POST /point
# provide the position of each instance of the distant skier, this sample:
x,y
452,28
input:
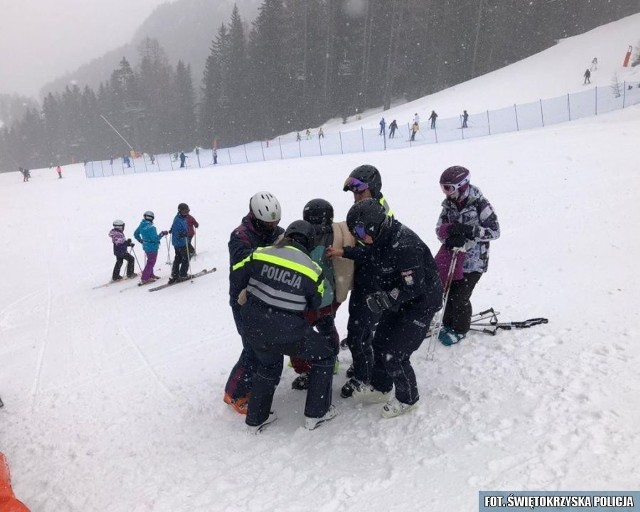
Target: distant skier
x,y
383,126
433,118
416,119
594,64
392,129
321,133
414,129
465,118
587,77
183,159
215,157
59,171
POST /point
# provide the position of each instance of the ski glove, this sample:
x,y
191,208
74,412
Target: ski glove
x,y
462,229
455,241
379,302
164,233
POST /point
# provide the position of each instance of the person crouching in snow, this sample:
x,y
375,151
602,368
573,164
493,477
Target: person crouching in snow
x,y
148,236
120,245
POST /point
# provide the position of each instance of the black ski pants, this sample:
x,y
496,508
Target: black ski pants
x,y
180,263
118,266
457,313
360,328
398,335
274,333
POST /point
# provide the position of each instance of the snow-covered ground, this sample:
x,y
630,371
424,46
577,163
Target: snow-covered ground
x,y
113,396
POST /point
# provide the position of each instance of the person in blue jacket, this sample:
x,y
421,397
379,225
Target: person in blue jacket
x,y
179,231
148,236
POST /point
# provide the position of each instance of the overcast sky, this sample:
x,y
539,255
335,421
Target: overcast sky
x,y
42,39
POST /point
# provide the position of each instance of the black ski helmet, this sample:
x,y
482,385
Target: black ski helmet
x,y
453,179
302,232
367,217
183,207
148,215
367,174
318,211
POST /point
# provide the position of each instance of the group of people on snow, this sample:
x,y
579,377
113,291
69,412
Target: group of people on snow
x,y
287,284
182,231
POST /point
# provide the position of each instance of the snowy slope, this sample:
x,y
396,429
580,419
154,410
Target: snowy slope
x,y
113,397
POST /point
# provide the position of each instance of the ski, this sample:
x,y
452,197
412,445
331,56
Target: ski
x,y
487,322
190,278
138,284
114,282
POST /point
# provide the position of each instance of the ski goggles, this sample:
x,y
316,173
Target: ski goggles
x,y
450,188
360,230
355,185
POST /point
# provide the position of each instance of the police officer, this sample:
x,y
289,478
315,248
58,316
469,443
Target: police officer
x,y
366,183
409,293
282,282
259,228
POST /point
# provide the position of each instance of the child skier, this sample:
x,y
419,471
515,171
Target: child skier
x,y
148,236
120,244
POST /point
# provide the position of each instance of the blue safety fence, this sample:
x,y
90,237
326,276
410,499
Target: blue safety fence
x,y
538,114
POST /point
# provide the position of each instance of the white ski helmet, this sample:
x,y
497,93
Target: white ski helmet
x,y
265,207
148,215
118,224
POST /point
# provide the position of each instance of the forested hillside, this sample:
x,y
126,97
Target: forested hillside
x,y
296,65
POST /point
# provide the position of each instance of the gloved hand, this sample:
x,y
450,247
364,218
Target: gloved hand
x,y
164,233
128,241
462,229
378,302
455,241
131,244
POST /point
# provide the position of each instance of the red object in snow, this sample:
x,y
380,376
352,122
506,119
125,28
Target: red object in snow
x,y
627,57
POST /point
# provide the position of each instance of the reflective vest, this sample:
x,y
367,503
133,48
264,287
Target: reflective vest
x,y
282,277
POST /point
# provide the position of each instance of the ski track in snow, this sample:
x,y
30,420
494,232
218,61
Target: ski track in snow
x,y
43,348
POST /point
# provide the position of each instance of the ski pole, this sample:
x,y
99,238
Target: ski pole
x,y
166,239
195,243
431,348
133,251
188,258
